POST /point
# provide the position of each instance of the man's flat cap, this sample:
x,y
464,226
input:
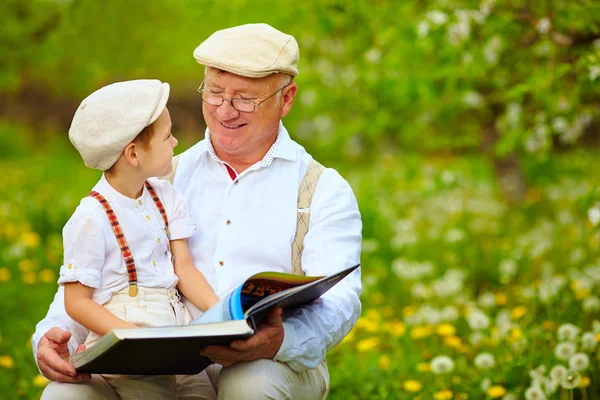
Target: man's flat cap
x,y
252,50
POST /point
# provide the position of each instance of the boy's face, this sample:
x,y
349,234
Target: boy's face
x,y
156,161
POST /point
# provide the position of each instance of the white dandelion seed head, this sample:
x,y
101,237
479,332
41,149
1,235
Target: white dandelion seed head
x,y
485,384
487,300
588,341
591,304
478,320
449,313
537,375
484,361
442,365
579,361
437,17
476,338
510,396
571,381
550,387
558,373
534,393
596,326
423,29
543,26
594,215
565,350
568,332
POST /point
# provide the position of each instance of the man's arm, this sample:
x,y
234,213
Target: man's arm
x,y
56,337
332,243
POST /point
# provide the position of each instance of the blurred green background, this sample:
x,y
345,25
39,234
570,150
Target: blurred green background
x,y
469,130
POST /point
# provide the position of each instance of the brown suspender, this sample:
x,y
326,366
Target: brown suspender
x,y
116,227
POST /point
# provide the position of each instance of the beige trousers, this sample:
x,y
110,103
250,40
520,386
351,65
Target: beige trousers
x,y
260,379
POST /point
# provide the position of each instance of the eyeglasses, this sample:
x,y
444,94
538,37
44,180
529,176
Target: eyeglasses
x,y
242,105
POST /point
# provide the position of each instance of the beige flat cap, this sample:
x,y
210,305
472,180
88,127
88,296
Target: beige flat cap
x,y
111,117
252,50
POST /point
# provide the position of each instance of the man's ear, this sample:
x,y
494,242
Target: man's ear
x,y
287,98
131,154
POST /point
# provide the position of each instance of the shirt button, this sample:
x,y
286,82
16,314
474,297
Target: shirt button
x,y
235,182
221,263
154,263
228,222
70,266
158,240
139,202
148,217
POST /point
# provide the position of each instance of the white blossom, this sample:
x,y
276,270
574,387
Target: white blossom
x,y
568,332
449,313
594,72
484,361
591,304
588,341
543,26
442,365
478,320
437,17
594,215
473,99
558,373
487,300
579,361
565,350
534,393
423,29
571,381
373,56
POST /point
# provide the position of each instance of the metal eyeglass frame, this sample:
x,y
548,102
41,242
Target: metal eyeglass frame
x,y
230,100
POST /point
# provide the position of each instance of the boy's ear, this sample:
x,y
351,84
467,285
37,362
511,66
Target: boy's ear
x,y
131,154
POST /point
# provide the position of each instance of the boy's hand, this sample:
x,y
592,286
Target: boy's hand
x,y
265,343
53,357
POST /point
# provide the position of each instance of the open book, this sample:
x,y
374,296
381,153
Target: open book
x,y
176,349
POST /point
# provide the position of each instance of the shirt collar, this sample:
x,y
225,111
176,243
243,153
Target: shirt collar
x,y
282,148
111,193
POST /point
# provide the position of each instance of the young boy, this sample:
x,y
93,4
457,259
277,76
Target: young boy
x,y
125,245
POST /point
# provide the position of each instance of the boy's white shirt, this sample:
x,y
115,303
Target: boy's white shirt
x,y
261,211
92,254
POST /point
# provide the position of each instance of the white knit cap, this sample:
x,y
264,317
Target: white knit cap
x,y
111,117
252,50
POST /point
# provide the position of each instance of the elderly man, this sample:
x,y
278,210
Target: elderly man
x,y
243,183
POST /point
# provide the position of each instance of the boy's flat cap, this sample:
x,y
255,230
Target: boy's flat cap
x,y
111,117
252,50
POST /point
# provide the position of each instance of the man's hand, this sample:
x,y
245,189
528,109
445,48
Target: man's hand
x,y
264,344
53,357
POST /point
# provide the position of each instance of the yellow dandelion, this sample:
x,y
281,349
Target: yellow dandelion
x,y
443,395
10,230
367,344
384,362
30,239
349,337
423,367
501,299
29,278
412,386
515,334
40,381
6,362
496,391
582,294
47,276
584,381
453,341
367,324
518,312
421,331
397,328
373,315
445,330
409,311
4,274
27,265
388,311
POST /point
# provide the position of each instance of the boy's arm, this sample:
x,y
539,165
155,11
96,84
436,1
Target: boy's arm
x,y
81,307
192,283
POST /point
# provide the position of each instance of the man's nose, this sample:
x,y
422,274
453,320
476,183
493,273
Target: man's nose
x,y
226,110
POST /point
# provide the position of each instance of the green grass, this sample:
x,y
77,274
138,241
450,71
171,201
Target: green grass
x,y
438,215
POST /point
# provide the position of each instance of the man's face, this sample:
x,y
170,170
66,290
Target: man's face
x,y
241,136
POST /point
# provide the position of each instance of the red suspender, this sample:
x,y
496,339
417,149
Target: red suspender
x,y
116,227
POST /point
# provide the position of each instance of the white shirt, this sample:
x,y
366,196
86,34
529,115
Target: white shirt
x,y
247,225
92,253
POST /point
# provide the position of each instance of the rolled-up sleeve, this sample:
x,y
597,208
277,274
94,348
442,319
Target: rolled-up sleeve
x,y
332,243
84,247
